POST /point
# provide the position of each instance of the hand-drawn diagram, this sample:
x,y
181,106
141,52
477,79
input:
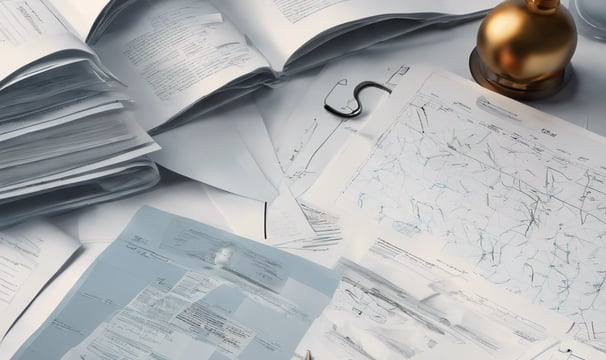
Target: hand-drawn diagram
x,y
530,216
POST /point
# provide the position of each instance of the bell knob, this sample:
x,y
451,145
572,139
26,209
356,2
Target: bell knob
x,y
524,48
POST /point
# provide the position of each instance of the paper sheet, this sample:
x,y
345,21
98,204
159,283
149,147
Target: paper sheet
x,y
31,32
246,217
290,225
49,298
308,139
403,300
81,16
30,255
228,149
170,287
183,197
513,191
300,229
277,102
174,54
567,349
283,29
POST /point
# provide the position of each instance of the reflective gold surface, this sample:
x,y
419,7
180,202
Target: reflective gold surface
x,y
525,45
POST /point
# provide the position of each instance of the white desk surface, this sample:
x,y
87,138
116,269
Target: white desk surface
x,y
582,102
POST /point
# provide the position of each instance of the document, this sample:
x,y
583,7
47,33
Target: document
x,y
172,54
568,349
182,58
228,149
29,31
404,300
65,134
90,19
288,224
285,31
296,227
513,191
30,255
49,298
172,288
81,15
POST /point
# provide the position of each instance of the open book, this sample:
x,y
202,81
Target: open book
x,y
181,58
66,139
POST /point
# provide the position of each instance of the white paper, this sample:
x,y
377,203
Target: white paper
x,y
48,299
92,169
566,349
290,225
216,151
308,139
280,28
172,54
512,190
254,134
45,120
81,15
187,198
169,283
403,300
30,255
276,102
30,31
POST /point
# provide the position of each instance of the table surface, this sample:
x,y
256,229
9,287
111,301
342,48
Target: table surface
x,y
581,102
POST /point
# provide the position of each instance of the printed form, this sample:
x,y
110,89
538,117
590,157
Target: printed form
x,y
517,193
172,288
30,255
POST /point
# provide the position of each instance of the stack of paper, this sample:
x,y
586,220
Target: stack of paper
x,y
65,136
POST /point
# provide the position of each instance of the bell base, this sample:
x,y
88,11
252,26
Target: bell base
x,y
533,91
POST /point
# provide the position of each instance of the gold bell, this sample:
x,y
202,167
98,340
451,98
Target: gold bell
x,y
524,49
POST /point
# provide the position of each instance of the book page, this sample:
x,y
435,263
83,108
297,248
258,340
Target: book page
x,y
516,192
171,54
30,31
278,28
81,15
30,255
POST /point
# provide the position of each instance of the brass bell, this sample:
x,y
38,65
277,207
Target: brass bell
x,y
524,49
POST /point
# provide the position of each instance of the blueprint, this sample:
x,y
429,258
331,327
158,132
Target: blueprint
x,y
517,193
173,288
399,302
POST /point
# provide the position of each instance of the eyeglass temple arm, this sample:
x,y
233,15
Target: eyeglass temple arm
x,y
356,93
